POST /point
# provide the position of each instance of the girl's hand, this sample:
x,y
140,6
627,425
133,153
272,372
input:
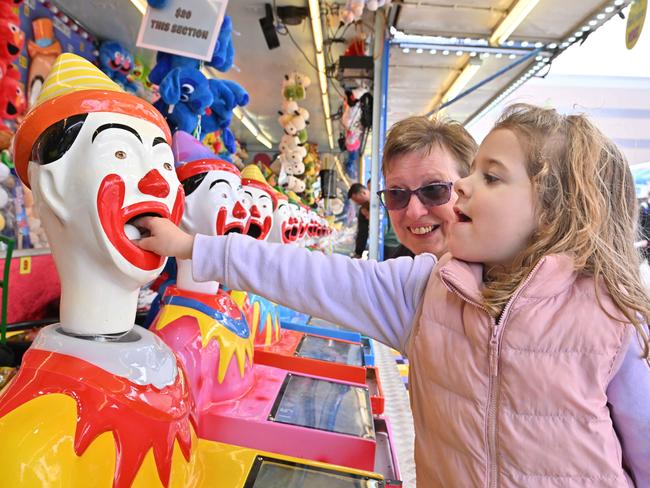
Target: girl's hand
x,y
164,238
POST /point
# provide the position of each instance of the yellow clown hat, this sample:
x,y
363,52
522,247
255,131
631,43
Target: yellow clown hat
x,y
75,86
252,176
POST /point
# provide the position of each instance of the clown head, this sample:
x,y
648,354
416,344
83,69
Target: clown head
x,y
96,159
282,227
295,220
257,194
214,194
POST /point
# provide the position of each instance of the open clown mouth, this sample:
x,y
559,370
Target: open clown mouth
x,y
116,220
259,229
462,218
13,50
11,109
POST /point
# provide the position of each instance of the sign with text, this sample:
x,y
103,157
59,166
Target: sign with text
x,y
184,27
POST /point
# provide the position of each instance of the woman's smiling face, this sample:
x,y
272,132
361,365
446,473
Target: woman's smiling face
x,y
423,229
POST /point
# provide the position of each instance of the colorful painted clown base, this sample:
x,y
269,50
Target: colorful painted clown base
x,y
261,315
75,405
211,337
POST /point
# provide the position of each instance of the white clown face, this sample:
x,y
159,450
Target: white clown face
x,y
216,206
295,221
281,229
260,205
119,168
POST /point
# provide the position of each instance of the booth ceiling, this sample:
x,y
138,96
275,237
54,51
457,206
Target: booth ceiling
x,y
433,44
444,38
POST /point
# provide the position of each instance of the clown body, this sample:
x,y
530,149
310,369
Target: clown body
x,y
97,398
200,322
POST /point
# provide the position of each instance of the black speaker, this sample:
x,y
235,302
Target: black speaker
x,y
328,183
268,28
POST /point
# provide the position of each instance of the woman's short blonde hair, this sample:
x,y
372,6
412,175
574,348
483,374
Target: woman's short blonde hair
x,y
421,134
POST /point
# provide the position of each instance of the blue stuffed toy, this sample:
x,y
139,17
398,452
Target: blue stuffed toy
x,y
224,51
226,96
117,62
184,96
158,3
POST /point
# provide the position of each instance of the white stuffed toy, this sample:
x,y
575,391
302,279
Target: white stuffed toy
x,y
353,9
289,107
295,184
288,142
292,124
294,86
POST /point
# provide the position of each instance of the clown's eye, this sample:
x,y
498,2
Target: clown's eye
x,y
120,154
167,166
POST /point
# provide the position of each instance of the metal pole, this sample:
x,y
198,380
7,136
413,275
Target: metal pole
x,y
383,216
486,80
373,235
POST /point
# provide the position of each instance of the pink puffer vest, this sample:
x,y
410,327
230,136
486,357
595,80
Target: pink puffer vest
x,y
521,402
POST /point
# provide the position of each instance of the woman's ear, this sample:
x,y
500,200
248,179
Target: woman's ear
x,y
48,183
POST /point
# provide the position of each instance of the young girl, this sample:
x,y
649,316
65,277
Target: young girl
x,y
525,366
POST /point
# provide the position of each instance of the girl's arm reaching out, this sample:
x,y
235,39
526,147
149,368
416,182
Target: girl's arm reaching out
x,y
377,299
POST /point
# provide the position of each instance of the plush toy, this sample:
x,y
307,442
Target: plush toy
x,y
294,184
294,86
289,107
292,123
116,61
291,166
12,95
43,51
139,76
12,38
224,52
184,96
226,96
288,142
353,9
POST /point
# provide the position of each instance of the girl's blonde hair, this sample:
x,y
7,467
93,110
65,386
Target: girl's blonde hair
x,y
586,206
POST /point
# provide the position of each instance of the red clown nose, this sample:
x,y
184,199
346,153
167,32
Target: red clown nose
x,y
154,184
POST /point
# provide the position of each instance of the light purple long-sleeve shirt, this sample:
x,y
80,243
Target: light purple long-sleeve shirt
x,y
380,300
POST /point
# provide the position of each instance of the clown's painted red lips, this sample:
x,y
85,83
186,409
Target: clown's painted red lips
x,y
234,227
113,217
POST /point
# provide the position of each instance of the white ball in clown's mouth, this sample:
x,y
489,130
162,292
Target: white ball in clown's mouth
x,y
132,232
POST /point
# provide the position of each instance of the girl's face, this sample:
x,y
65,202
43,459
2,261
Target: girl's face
x,y
495,206
419,228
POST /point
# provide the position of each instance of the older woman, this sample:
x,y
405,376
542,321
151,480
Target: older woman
x,y
422,157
